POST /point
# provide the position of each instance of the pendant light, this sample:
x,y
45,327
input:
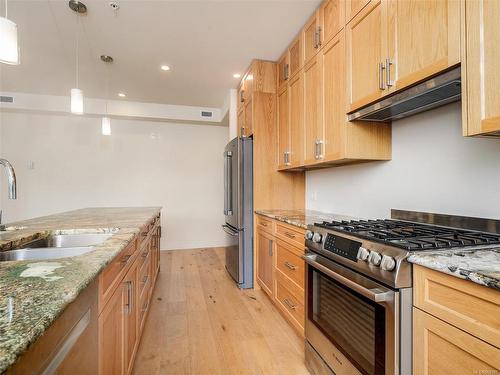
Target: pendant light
x,y
9,48
77,94
106,121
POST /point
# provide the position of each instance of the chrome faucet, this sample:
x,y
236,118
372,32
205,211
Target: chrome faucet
x,y
11,178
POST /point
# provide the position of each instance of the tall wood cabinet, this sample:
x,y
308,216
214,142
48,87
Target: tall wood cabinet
x,y
481,114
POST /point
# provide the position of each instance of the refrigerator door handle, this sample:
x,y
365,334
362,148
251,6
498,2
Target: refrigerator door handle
x,y
228,208
229,231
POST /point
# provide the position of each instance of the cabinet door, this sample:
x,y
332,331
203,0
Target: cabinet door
x,y
296,56
265,255
112,334
366,52
248,118
482,67
353,7
311,36
313,125
283,128
334,97
332,19
241,95
283,70
423,39
440,348
130,316
296,118
241,121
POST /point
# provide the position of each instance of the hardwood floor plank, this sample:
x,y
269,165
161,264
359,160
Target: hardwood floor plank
x,y
201,323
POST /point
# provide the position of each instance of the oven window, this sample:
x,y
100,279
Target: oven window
x,y
354,324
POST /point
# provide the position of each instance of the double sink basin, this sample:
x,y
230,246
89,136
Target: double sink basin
x,y
56,246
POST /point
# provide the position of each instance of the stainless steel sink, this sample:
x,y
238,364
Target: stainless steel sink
x,y
69,240
44,253
56,246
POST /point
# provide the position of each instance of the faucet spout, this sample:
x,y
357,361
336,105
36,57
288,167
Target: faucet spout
x,y
11,178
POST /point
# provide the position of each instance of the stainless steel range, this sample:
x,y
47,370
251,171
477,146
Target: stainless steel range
x,y
359,291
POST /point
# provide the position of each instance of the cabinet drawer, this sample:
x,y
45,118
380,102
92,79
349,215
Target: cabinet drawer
x,y
290,234
113,273
290,300
468,306
289,263
265,224
143,254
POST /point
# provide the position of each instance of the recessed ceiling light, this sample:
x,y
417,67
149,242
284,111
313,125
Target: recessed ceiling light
x,y
121,95
165,67
237,75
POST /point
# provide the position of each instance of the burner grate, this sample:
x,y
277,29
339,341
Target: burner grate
x,y
412,236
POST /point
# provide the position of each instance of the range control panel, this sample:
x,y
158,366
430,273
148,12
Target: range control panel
x,y
342,246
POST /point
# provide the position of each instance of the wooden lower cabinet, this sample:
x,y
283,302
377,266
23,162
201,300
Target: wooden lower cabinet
x,y
456,325
265,264
280,268
122,316
440,348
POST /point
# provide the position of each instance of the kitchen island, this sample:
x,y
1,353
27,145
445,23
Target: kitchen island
x,y
33,294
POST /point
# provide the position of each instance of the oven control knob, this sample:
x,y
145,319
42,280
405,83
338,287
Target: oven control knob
x,y
388,263
363,253
317,237
374,258
309,235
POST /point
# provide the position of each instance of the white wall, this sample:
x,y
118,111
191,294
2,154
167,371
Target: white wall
x,y
433,169
177,166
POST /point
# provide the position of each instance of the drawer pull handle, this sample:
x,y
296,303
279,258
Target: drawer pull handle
x,y
145,306
125,259
263,224
145,279
291,266
290,305
145,254
290,235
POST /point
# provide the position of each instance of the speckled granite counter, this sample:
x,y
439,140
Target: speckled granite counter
x,y
301,218
480,265
34,293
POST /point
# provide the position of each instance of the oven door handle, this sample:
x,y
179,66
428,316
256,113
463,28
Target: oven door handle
x,y
378,295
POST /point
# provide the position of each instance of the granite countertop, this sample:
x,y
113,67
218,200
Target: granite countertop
x,y
301,218
479,265
34,293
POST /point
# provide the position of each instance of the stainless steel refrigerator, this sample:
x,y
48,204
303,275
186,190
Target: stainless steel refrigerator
x,y
238,209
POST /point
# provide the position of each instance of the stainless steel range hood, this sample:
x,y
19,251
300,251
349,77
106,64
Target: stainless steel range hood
x,y
434,92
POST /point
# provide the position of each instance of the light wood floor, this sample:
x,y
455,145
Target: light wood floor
x,y
201,323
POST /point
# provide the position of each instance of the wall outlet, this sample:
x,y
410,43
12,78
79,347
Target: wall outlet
x,y
30,164
314,196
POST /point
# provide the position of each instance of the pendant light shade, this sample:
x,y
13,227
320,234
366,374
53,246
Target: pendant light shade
x,y
77,101
106,126
9,49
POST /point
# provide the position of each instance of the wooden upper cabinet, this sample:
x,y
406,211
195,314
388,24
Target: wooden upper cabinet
x,y
353,7
283,128
366,52
423,39
482,67
248,118
283,67
241,121
296,56
314,137
332,13
334,97
296,119
241,95
311,37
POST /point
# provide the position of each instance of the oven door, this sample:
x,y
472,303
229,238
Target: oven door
x,y
352,321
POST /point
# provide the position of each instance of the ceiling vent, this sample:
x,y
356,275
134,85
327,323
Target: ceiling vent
x,y
6,99
206,114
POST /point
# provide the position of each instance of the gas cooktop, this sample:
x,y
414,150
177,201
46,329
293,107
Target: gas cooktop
x,y
411,236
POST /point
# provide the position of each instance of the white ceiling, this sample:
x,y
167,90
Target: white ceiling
x,y
204,42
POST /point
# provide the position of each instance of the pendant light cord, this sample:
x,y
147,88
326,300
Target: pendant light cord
x,y
6,13
107,86
76,52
